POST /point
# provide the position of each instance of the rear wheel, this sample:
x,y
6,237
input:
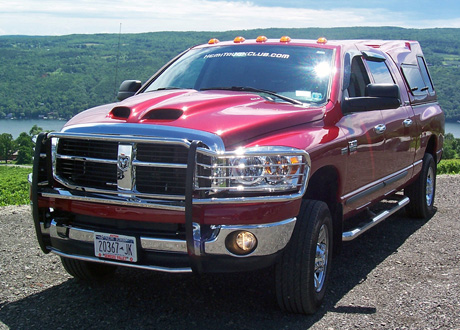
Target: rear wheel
x,y
303,271
87,271
422,191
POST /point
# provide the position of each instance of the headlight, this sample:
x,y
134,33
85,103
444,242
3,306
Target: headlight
x,y
247,171
280,168
265,169
256,170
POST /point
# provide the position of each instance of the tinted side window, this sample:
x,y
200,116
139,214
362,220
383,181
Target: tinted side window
x,y
414,79
358,78
380,72
425,74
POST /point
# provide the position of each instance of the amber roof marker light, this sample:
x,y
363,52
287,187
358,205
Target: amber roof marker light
x,y
322,41
285,39
213,41
261,39
239,40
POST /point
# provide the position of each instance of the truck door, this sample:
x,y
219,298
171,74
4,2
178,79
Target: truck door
x,y
366,141
400,125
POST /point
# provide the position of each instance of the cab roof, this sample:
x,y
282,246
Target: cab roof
x,y
399,50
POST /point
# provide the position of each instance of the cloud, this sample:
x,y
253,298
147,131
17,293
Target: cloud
x,y
53,17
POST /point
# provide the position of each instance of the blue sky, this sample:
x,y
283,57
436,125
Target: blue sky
x,y
61,17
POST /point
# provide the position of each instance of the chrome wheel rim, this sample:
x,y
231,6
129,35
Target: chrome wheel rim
x,y
322,253
429,193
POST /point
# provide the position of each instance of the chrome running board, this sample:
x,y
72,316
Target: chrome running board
x,y
352,234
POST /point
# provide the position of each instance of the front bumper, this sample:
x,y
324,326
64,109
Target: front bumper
x,y
171,255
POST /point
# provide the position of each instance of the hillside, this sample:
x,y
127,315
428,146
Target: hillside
x,y
61,76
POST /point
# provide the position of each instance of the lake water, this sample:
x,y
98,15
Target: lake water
x,y
453,128
16,127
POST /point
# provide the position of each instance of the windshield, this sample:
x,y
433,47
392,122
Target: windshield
x,y
300,73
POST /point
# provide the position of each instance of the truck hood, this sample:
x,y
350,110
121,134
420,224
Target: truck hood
x,y
237,117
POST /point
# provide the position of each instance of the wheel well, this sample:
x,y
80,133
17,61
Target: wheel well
x,y
323,186
431,148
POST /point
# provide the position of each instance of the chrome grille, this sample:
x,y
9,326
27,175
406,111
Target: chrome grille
x,y
155,169
87,174
170,181
88,149
155,153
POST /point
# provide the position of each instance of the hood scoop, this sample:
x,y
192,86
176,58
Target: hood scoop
x,y
120,113
163,114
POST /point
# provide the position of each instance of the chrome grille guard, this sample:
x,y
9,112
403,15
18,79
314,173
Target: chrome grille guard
x,y
211,175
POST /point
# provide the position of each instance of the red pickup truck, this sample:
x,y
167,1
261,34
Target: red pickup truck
x,y
240,155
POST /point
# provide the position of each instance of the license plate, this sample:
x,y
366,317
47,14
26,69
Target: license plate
x,y
116,247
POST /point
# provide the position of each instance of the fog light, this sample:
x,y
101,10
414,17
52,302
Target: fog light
x,y
246,241
241,242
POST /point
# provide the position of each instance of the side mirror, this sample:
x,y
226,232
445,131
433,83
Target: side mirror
x,y
378,97
128,88
383,90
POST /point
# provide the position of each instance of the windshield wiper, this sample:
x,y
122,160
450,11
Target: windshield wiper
x,y
168,88
256,90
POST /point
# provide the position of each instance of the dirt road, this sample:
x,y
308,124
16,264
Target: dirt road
x,y
403,274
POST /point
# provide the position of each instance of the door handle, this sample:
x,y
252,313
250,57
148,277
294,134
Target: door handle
x,y
407,122
380,129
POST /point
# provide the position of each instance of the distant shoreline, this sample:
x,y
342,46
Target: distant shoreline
x,y
16,126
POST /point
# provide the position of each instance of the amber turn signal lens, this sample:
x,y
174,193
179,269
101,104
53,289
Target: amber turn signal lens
x,y
238,40
321,40
294,169
285,39
261,39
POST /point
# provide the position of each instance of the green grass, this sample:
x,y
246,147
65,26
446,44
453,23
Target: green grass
x,y
14,188
449,166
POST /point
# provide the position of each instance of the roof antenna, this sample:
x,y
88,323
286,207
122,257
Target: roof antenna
x,y
116,68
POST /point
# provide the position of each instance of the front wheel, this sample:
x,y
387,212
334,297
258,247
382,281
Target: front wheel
x,y
421,192
304,267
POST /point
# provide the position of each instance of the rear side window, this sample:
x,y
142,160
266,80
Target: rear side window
x,y
417,77
425,75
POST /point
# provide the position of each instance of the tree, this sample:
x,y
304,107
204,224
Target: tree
x,y
26,146
7,146
25,140
24,155
451,147
35,130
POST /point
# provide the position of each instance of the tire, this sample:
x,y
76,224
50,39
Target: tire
x,y
422,191
87,271
301,276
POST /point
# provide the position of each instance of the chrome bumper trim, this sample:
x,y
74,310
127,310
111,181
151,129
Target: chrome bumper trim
x,y
109,262
116,200
271,238
87,236
246,200
171,205
139,202
163,244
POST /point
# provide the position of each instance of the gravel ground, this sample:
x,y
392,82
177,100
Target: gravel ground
x,y
403,274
